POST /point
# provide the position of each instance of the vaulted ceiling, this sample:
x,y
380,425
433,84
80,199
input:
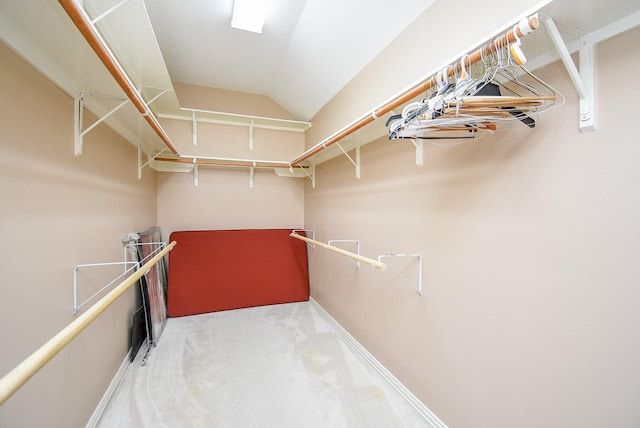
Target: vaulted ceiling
x,y
308,50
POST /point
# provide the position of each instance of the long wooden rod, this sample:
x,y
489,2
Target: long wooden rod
x,y
417,90
82,22
17,377
372,262
229,162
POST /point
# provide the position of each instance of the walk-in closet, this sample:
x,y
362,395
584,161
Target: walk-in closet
x,y
348,214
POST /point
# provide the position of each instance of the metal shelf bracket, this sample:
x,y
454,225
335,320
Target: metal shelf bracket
x,y
79,119
418,144
584,78
357,242
194,124
306,231
417,286
251,134
149,159
195,173
104,14
355,163
127,269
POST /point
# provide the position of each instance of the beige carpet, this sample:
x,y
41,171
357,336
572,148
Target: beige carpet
x,y
272,366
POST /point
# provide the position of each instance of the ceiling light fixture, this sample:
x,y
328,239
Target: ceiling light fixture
x,y
249,15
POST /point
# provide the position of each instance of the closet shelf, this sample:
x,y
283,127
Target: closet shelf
x,y
89,31
583,33
418,90
234,119
191,164
111,53
127,269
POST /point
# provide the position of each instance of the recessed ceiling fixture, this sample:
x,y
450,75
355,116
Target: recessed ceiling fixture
x,y
249,15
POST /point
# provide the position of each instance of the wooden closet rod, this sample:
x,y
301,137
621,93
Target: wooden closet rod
x,y
229,162
82,22
421,88
374,263
17,377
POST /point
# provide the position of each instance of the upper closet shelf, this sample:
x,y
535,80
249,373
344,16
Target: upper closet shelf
x,y
574,33
103,52
235,119
416,120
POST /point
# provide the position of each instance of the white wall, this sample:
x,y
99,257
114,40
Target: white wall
x,y
530,241
223,198
57,211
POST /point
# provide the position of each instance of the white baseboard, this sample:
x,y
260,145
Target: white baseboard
x,y
102,405
428,415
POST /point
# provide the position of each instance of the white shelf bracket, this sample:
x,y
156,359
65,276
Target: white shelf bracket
x,y
149,159
355,163
107,12
418,144
78,106
127,269
77,305
78,115
140,166
195,173
357,242
313,235
194,128
588,67
311,175
251,172
417,286
584,79
161,93
251,135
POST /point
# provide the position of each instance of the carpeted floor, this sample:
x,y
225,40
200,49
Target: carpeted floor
x,y
272,366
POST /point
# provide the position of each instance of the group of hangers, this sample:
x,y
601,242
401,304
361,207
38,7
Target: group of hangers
x,y
462,107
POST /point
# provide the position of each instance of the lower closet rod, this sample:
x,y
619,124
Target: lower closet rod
x,y
374,263
17,377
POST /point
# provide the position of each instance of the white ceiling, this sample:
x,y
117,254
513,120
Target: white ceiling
x,y
307,52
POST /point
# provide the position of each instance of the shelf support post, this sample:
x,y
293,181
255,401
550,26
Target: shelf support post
x,y
194,128
418,286
418,144
357,242
79,119
140,166
195,173
251,135
584,78
78,115
108,12
355,163
149,159
588,69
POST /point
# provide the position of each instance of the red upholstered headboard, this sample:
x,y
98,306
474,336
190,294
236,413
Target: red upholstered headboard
x,y
215,270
